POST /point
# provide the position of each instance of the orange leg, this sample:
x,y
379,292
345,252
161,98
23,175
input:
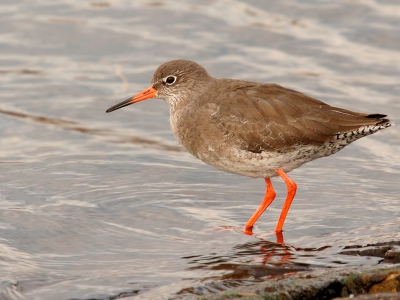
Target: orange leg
x,y
279,237
291,187
268,198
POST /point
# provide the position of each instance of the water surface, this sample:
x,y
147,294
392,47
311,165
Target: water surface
x,y
107,206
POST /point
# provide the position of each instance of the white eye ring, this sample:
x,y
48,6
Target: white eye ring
x,y
169,80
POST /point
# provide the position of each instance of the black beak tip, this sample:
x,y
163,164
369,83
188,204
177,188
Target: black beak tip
x,y
120,105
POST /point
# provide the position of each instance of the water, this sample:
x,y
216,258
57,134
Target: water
x,y
106,206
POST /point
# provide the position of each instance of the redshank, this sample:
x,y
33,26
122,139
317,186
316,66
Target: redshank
x,y
252,129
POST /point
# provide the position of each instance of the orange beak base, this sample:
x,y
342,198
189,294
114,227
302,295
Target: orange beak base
x,y
144,95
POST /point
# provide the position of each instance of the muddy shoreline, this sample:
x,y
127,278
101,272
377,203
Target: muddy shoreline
x,y
381,281
370,282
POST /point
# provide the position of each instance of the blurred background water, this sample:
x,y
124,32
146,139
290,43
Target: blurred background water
x,y
107,206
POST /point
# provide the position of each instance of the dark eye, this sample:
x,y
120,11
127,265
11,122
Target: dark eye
x,y
170,80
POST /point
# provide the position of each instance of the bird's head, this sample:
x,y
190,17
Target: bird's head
x,y
174,81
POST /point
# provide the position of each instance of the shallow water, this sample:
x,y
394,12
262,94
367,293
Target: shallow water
x,y
106,206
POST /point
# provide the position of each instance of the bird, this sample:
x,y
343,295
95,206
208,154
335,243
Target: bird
x,y
259,130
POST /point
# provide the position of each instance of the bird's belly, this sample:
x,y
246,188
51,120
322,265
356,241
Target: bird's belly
x,y
225,153
262,164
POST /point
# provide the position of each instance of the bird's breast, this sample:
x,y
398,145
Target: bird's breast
x,y
194,130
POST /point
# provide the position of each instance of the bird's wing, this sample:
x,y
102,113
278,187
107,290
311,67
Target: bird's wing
x,y
270,117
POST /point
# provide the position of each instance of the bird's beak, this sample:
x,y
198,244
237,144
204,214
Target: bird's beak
x,y
146,94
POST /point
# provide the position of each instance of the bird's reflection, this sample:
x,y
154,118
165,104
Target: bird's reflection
x,y
245,263
272,258
269,257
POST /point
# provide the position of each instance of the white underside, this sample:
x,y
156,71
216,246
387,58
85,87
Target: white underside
x,y
262,164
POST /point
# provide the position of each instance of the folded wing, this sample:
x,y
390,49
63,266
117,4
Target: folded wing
x,y
267,117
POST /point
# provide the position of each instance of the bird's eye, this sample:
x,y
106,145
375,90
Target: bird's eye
x,y
170,80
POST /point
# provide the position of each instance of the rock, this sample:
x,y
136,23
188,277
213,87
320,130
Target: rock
x,y
366,282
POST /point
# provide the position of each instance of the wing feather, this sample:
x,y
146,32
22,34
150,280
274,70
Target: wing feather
x,y
266,117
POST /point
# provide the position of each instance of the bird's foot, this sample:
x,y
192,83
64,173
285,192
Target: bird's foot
x,y
278,234
248,230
